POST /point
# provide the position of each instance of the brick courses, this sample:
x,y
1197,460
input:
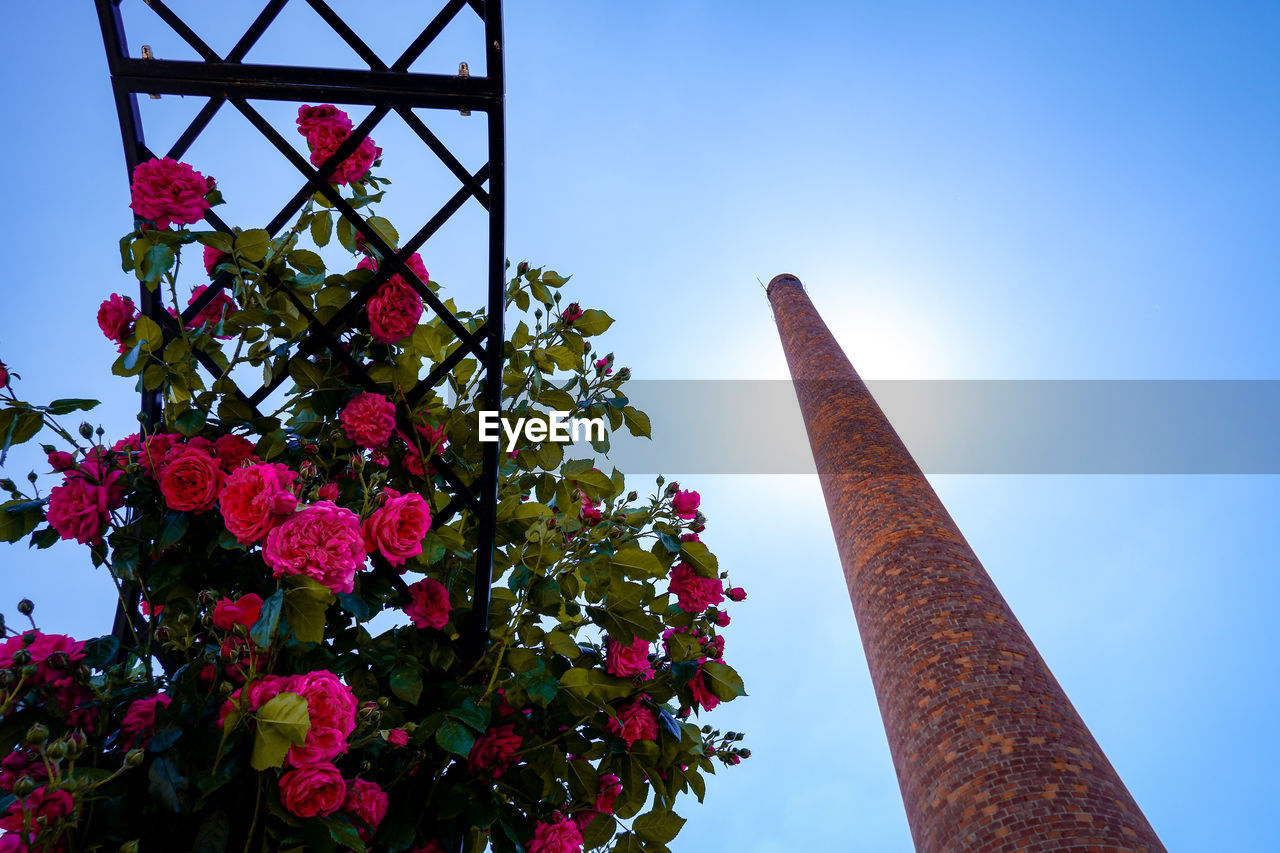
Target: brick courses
x,y
990,754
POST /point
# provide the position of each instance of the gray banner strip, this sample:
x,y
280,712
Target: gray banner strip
x,y
968,426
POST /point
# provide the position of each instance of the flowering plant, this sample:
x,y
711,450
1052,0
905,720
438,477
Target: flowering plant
x,y
296,677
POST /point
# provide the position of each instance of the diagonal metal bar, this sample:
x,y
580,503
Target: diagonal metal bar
x,y
428,35
256,29
348,35
184,32
438,148
197,126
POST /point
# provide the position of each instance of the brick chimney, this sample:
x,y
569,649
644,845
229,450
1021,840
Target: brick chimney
x,y
990,754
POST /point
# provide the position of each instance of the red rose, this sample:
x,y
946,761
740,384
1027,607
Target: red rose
x,y
257,499
573,312
218,309
233,450
80,509
394,311
243,611
398,737
51,808
396,529
313,791
635,722
610,788
493,751
140,721
428,605
117,318
351,169
213,257
367,801
702,695
685,504
325,116
4,375
168,192
322,542
629,660
369,419
559,837
693,592
190,481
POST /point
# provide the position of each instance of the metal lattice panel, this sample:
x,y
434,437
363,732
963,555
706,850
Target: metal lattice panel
x,y
227,81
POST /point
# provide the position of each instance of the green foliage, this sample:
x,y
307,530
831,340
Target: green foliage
x,y
279,724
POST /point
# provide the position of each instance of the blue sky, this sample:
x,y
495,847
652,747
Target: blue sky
x,y
969,191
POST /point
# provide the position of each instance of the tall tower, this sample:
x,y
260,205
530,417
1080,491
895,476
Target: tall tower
x,y
990,754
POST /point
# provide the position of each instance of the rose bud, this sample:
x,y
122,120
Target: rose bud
x,y
37,734
134,757
25,607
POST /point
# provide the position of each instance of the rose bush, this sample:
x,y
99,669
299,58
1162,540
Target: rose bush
x,y
297,676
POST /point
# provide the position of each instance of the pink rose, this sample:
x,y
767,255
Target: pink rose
x,y
4,375
190,481
367,801
62,461
695,593
213,257
156,449
395,309
369,419
398,737
352,169
219,308
559,837
628,661
722,619
322,542
610,788
702,695
168,192
311,119
493,751
243,611
313,791
328,492
396,529
635,722
571,313
80,508
690,537
603,364
685,504
139,721
737,593
117,317
41,647
428,605
329,702
322,745
233,451
52,808
257,499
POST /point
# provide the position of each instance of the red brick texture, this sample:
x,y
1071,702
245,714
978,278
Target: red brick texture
x,y
989,752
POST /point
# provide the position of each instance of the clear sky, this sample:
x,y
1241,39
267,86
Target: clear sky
x,y
969,190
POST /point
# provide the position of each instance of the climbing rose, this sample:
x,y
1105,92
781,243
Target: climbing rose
x,y
625,661
50,807
41,648
4,375
330,703
369,419
396,529
117,317
428,605
398,737
395,309
702,695
79,510
213,257
233,451
367,801
140,721
322,542
355,167
168,192
243,611
218,309
313,791
635,722
736,593
256,499
610,788
190,481
559,837
312,119
695,593
572,313
492,752
685,504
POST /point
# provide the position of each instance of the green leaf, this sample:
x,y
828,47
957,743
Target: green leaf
x,y
473,715
637,562
18,518
305,606
71,404
175,526
406,683
385,230
282,722
321,227
306,261
637,422
627,843
596,684
697,555
659,826
592,322
168,786
562,644
264,630
595,481
341,831
626,623
584,781
190,422
531,509
253,244
214,834
148,334
454,737
723,680
346,234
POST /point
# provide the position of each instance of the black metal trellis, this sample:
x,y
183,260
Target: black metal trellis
x,y
385,87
